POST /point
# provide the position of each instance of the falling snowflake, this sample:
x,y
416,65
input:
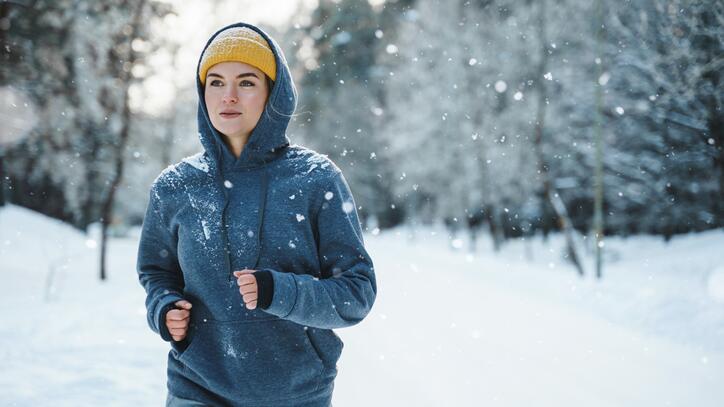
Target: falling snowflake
x,y
300,217
604,78
328,195
500,86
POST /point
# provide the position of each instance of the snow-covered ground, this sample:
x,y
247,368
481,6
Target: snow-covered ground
x,y
449,328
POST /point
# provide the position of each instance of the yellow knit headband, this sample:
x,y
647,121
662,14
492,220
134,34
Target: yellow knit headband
x,y
239,44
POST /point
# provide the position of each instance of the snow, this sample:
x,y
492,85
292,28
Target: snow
x,y
347,206
17,122
198,161
715,284
207,231
449,327
306,161
500,86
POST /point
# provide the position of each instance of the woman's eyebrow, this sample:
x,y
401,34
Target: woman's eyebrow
x,y
243,75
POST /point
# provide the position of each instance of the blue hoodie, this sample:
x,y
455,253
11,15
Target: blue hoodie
x,y
279,208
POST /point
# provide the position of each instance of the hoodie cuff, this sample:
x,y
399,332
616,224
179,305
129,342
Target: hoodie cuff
x,y
167,305
265,288
285,294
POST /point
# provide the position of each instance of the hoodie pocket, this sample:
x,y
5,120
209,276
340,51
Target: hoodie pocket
x,y
326,344
250,360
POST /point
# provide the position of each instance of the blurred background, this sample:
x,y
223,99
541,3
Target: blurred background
x,y
530,159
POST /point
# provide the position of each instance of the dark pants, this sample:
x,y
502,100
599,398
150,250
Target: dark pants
x,y
173,401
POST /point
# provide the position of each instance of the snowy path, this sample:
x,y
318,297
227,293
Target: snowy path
x,y
449,333
446,330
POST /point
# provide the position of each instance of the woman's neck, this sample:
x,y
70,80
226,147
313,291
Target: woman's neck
x,y
235,144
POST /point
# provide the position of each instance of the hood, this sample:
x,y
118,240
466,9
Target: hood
x,y
269,135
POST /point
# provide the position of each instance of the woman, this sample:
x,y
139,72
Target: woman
x,y
251,251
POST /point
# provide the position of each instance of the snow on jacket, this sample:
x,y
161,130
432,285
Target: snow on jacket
x,y
280,208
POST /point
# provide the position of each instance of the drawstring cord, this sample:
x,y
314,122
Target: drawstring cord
x,y
262,204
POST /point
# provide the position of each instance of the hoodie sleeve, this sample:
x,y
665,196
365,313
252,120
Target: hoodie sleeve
x,y
345,293
158,269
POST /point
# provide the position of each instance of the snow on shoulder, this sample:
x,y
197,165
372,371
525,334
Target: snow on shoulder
x,y
177,175
199,161
307,161
171,178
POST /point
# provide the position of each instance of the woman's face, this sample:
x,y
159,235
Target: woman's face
x,y
235,95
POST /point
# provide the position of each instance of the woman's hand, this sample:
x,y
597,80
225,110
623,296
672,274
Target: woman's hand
x,y
247,287
177,320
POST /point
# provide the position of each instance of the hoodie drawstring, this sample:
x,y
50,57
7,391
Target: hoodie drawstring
x,y
262,203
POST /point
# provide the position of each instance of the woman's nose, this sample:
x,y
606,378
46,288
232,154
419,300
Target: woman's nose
x,y
230,97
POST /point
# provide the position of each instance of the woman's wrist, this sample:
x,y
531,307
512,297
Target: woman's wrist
x,y
265,288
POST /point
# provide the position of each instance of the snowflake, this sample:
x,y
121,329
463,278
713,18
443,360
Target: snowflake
x,y
347,207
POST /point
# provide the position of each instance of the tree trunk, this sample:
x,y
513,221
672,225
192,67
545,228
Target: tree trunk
x,y
598,189
551,195
2,177
495,227
126,76
4,46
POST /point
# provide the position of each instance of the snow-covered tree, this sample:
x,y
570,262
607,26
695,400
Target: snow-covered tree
x,y
667,91
74,59
339,107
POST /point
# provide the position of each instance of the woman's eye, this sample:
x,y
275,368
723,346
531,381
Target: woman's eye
x,y
215,82
246,83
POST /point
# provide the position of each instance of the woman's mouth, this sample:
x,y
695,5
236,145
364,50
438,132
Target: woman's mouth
x,y
229,114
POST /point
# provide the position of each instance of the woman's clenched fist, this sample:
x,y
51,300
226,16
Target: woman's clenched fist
x,y
248,288
177,320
